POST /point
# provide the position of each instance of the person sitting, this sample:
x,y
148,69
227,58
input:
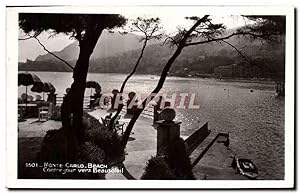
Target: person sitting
x,y
29,98
38,98
52,97
132,103
160,104
116,105
24,98
106,120
39,102
105,102
95,99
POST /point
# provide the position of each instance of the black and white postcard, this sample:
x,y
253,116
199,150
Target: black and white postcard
x,y
185,97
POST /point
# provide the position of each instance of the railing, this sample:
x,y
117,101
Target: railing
x,y
59,100
148,112
86,101
194,140
226,143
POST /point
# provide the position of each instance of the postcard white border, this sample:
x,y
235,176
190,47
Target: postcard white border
x,y
11,92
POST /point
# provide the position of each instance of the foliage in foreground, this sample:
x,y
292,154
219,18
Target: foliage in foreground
x,y
175,164
100,146
95,134
158,169
178,160
104,138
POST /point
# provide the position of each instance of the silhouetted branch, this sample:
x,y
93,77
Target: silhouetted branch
x,y
48,50
25,38
229,36
30,36
171,40
54,54
135,67
145,26
160,83
237,50
125,81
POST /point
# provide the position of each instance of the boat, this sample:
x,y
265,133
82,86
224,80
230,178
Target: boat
x,y
245,167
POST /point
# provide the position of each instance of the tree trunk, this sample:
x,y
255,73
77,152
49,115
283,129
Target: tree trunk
x,y
160,84
72,106
124,83
161,81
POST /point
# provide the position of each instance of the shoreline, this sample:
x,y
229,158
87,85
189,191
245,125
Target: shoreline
x,y
229,79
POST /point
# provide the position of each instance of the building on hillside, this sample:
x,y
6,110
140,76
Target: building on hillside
x,y
228,71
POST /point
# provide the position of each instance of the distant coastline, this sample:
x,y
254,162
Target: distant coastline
x,y
206,76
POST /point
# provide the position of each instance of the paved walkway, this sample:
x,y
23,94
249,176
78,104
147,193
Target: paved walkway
x,y
140,147
216,163
33,128
31,133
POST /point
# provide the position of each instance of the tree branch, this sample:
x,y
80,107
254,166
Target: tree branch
x,y
48,50
111,123
30,36
148,30
25,38
160,83
225,37
237,50
54,54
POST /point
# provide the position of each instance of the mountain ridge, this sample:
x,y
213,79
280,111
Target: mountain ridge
x,y
108,44
201,59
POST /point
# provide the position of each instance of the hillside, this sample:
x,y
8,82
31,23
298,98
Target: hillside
x,y
200,59
109,44
116,53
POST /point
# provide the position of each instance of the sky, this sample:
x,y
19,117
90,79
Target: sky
x,y
170,23
30,49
